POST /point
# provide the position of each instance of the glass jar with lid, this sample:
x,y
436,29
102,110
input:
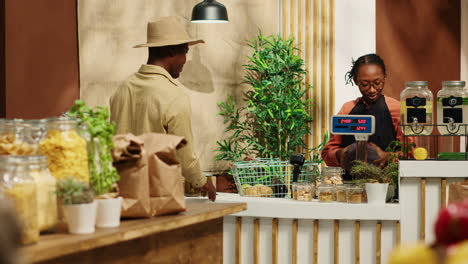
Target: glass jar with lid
x,y
341,192
416,102
65,149
46,197
13,139
332,175
355,194
303,191
19,187
326,193
35,130
451,111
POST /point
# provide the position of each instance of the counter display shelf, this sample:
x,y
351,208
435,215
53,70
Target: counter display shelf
x,y
194,236
287,231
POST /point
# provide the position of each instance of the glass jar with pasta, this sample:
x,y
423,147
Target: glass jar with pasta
x,y
46,197
65,149
20,189
13,139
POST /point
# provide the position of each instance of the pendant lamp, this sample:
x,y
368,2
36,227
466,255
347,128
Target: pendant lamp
x,y
209,11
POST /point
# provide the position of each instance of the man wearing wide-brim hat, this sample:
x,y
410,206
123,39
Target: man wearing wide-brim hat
x,y
152,101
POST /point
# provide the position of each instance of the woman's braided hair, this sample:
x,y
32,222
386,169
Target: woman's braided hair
x,y
365,59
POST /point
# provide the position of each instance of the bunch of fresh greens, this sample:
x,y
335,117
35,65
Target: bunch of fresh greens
x,y
362,171
72,191
275,120
398,150
365,172
103,176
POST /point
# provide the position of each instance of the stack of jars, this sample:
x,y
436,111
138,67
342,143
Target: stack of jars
x,y
417,108
28,180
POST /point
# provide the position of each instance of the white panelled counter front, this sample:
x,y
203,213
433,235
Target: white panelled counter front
x,y
287,231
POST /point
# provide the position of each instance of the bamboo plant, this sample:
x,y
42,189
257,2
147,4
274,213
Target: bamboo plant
x,y
275,119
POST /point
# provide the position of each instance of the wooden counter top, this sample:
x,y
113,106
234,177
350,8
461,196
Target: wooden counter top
x,y
61,244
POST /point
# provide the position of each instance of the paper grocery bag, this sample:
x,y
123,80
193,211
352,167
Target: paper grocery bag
x,y
130,160
165,173
151,176
458,191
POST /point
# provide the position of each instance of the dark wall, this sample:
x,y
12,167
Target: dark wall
x,y
41,58
419,40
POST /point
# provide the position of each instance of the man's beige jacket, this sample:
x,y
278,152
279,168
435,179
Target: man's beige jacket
x,y
152,101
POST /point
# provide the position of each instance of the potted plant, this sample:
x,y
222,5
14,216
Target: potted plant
x,y
103,176
276,118
79,207
375,179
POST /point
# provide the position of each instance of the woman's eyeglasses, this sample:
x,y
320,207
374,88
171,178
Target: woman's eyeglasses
x,y
366,85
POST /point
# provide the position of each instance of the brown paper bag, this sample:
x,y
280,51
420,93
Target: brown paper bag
x,y
151,177
458,191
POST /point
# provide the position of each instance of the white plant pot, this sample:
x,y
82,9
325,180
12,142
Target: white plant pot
x,y
81,218
108,212
376,193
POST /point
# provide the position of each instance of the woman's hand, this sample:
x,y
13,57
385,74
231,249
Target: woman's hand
x,y
341,156
383,156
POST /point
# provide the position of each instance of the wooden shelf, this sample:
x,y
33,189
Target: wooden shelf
x,y
61,244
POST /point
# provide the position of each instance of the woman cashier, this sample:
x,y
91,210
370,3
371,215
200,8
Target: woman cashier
x,y
369,73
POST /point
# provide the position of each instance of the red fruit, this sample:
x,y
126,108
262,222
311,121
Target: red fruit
x,y
452,224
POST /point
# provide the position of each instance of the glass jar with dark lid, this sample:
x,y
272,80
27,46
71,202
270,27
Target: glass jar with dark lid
x,y
451,110
416,107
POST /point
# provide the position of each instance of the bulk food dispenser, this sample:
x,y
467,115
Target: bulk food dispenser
x,y
452,110
416,109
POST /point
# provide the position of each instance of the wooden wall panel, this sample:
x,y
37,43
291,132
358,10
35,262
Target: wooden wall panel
x,y
41,64
419,40
2,60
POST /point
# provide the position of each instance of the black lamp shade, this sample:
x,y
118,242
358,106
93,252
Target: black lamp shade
x,y
209,11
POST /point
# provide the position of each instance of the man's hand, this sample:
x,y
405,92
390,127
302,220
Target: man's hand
x,y
210,189
383,156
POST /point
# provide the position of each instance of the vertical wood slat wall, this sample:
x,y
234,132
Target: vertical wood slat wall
x,y
293,254
311,22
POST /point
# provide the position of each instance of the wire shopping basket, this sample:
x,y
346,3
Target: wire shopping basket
x,y
270,177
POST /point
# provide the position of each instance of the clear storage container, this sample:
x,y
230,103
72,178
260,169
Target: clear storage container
x,y
416,109
65,149
14,140
19,187
326,193
355,194
451,110
46,197
332,175
303,191
341,192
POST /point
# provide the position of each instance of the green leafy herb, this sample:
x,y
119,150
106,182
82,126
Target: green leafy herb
x,y
362,171
103,176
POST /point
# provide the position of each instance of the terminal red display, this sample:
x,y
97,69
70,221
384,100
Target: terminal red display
x,y
349,121
358,128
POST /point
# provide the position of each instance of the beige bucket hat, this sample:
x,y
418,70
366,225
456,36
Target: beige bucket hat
x,y
167,31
